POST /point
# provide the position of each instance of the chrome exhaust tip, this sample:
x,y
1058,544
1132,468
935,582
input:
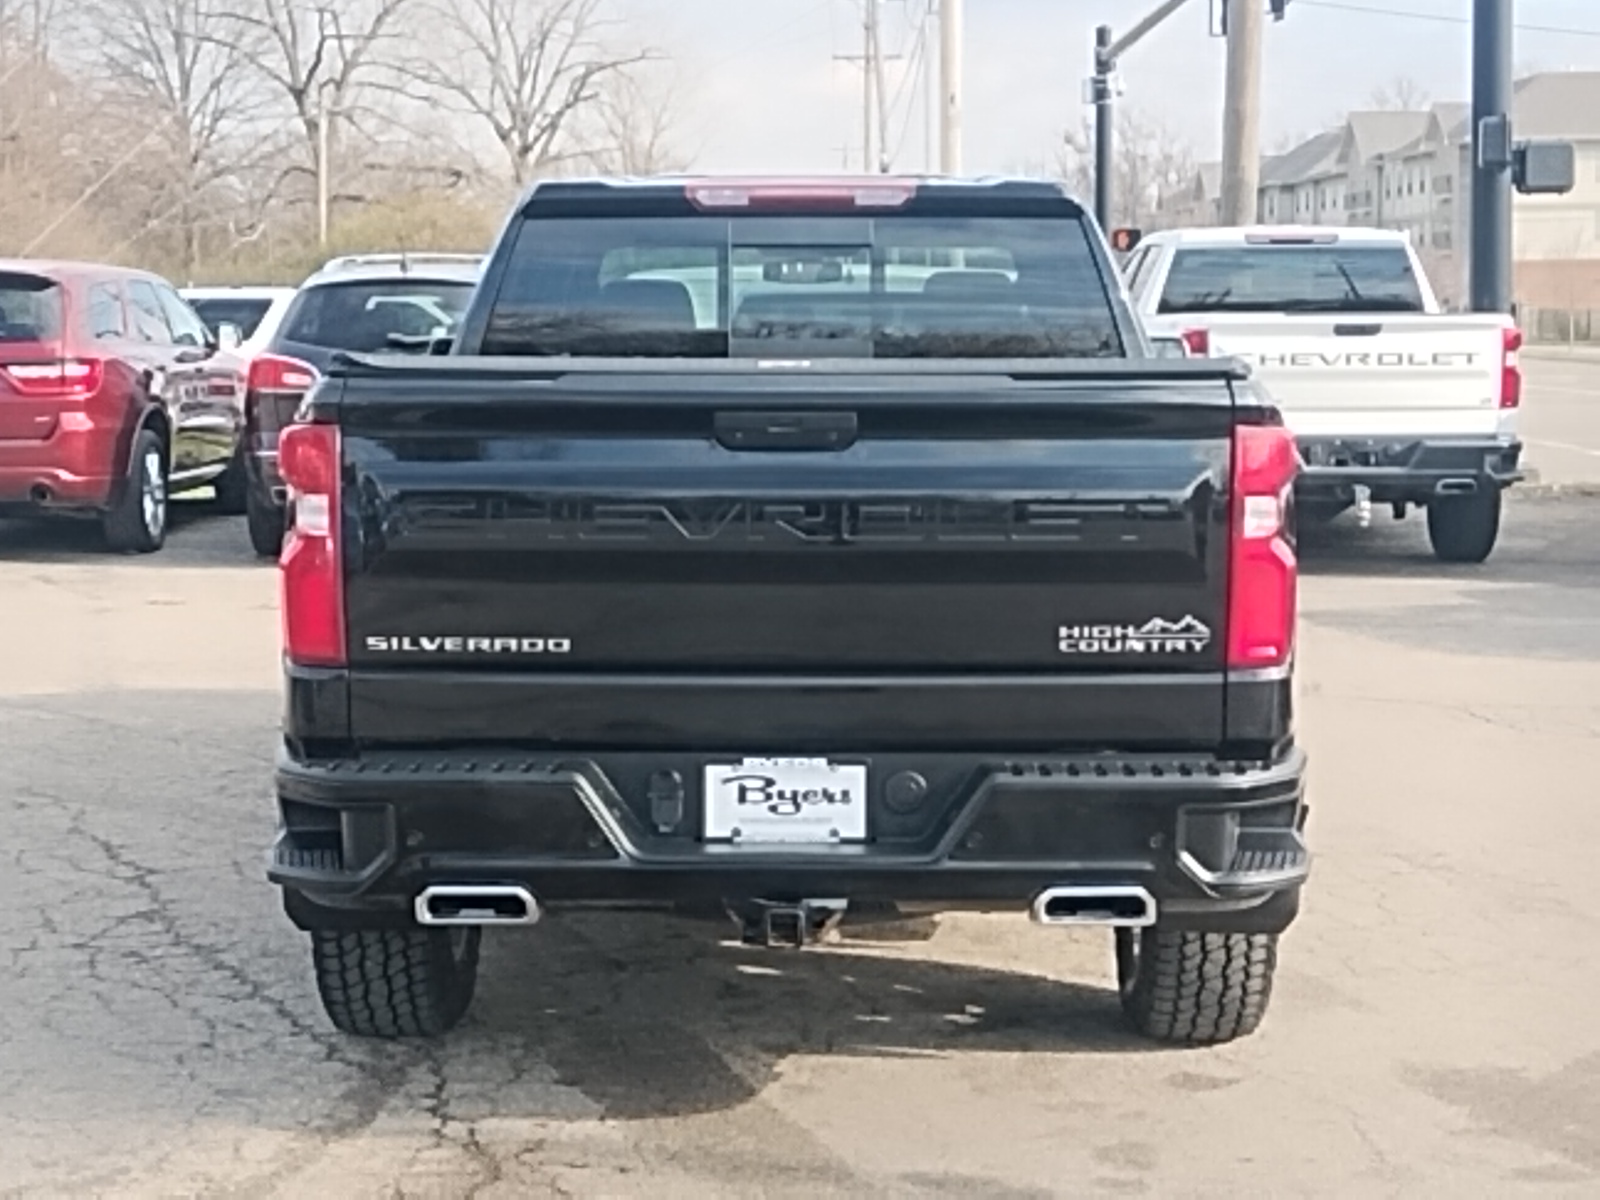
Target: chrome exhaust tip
x,y
476,904
1117,906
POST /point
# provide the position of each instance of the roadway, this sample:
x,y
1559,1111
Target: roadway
x,y
1432,1033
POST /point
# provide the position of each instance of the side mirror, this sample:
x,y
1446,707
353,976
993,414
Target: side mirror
x,y
229,337
1544,168
1126,241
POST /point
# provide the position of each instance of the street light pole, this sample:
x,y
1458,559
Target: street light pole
x,y
1104,125
1490,264
1102,90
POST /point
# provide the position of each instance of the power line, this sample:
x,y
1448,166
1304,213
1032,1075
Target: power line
x,y
915,63
1438,18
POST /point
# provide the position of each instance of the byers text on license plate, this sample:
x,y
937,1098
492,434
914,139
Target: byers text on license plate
x,y
792,800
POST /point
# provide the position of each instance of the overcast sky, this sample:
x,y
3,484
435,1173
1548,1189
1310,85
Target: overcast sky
x,y
760,89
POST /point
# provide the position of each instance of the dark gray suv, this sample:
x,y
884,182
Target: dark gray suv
x,y
365,304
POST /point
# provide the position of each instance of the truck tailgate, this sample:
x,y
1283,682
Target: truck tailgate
x,y
574,553
1374,375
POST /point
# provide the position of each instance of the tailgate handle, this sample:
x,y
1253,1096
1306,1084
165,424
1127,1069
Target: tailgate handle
x,y
1357,330
786,430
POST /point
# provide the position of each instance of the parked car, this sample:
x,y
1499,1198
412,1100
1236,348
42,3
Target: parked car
x,y
368,303
254,312
114,397
791,547
1392,400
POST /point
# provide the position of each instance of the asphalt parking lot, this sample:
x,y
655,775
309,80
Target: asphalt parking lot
x,y
1432,1032
1561,421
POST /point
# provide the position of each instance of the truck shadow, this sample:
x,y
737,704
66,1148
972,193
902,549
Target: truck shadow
x,y
649,1016
198,536
1539,538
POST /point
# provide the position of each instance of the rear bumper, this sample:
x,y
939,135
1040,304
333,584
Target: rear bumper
x,y
1410,469
78,466
1217,844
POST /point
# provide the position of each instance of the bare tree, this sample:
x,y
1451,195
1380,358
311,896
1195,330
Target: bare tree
x,y
1148,161
634,129
1400,94
181,134
178,66
318,54
528,69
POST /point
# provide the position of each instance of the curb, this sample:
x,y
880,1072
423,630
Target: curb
x,y
1533,489
1581,354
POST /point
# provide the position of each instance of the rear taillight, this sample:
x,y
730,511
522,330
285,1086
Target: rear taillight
x,y
311,569
1263,573
64,378
1510,368
275,373
1197,342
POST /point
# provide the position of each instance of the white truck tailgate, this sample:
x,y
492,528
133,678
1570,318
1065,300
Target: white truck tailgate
x,y
1374,375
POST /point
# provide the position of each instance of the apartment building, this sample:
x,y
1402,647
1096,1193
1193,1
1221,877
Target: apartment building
x,y
1411,171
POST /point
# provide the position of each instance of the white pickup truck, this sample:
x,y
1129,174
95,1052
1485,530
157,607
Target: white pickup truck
x,y
1391,400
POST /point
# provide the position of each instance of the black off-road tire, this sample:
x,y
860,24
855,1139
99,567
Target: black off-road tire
x,y
233,487
136,522
1464,529
396,983
265,521
1195,989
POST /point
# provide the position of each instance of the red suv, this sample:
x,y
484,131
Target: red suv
x,y
113,396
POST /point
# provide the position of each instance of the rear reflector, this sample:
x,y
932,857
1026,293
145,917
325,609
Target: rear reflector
x,y
65,377
1263,574
1510,368
311,569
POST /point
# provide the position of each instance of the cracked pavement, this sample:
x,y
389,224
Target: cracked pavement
x,y
1431,1032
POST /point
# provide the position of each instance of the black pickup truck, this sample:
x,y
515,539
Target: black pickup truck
x,y
791,550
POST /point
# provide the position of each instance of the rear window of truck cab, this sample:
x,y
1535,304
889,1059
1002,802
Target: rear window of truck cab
x,y
884,286
1291,278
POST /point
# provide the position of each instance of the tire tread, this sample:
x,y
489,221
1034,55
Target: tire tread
x,y
1195,988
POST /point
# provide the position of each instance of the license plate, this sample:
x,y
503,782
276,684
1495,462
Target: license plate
x,y
809,801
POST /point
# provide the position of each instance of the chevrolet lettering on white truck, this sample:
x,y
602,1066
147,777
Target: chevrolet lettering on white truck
x,y
1391,401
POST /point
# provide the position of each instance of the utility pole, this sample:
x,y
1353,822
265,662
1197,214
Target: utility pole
x,y
324,157
930,89
874,105
875,31
1241,114
869,59
1490,263
950,53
